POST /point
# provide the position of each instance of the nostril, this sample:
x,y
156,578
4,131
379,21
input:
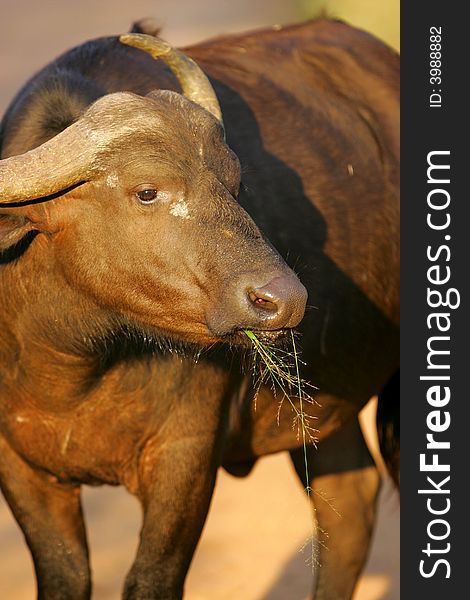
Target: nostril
x,y
251,304
262,301
280,303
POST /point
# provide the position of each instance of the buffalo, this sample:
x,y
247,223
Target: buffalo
x,y
152,212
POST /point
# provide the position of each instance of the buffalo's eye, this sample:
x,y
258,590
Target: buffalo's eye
x,y
147,196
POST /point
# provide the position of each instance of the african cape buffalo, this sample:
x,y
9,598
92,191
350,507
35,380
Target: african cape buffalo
x,y
135,251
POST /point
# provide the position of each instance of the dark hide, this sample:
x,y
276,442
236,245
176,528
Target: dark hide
x,y
99,386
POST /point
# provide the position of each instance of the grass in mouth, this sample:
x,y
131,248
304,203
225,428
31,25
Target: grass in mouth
x,y
280,370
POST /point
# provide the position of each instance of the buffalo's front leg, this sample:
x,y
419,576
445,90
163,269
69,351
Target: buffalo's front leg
x,y
177,472
345,485
50,515
175,507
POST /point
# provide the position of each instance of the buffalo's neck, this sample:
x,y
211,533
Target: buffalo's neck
x,y
45,325
57,372
60,350
45,375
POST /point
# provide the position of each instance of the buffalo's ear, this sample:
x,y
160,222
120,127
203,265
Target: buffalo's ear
x,y
13,229
146,25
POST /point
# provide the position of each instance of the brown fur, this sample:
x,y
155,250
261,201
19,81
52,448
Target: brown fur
x,y
107,303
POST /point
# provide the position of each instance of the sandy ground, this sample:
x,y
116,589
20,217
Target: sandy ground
x,y
250,548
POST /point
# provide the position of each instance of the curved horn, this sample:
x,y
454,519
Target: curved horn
x,y
193,81
58,164
73,155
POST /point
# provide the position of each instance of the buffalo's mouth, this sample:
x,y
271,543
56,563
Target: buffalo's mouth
x,y
275,337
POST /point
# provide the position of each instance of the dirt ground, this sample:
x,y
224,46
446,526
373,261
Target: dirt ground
x,y
250,548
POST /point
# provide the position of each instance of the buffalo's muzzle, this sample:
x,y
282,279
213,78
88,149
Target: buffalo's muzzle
x,y
280,303
277,304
